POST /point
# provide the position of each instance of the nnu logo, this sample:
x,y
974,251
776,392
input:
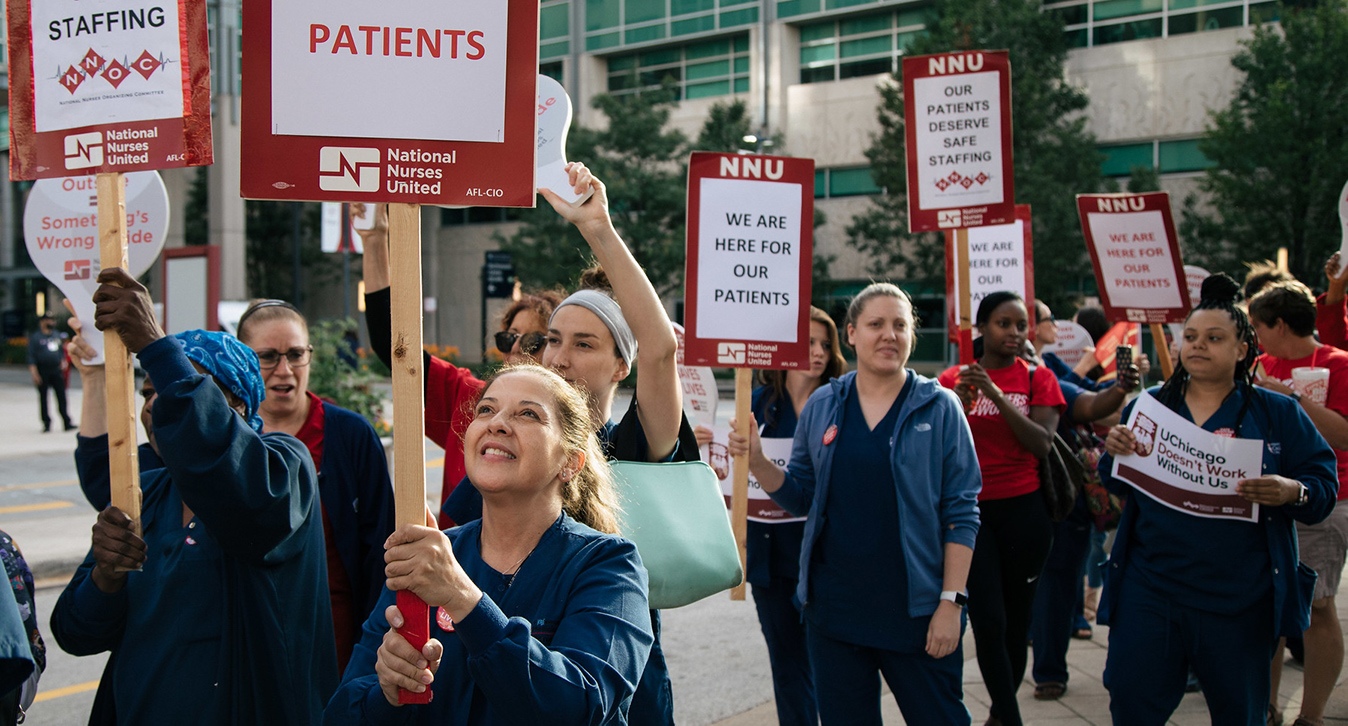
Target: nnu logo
x,y
348,169
949,218
78,269
732,353
84,151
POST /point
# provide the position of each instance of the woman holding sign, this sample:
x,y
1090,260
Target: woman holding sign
x,y
1183,590
1013,410
882,463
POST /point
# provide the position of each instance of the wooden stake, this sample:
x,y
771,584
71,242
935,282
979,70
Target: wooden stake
x,y
739,499
409,426
123,464
966,313
1162,350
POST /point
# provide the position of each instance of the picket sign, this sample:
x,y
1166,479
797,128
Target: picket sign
x,y
1343,224
1003,254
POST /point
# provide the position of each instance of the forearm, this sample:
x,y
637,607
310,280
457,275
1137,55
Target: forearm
x,y
633,291
374,263
1028,433
1331,424
1103,404
770,476
955,566
93,403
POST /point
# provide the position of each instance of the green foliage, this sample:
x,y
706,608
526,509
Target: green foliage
x,y
1055,155
1280,149
332,378
270,232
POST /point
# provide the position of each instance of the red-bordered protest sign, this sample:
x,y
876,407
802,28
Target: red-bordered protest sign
x,y
1001,257
425,103
957,114
107,87
1136,256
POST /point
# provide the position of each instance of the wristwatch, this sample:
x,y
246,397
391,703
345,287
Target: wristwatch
x,y
1295,396
959,598
1302,497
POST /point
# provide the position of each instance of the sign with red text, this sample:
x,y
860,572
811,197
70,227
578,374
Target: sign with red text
x,y
761,506
427,102
60,228
700,394
1001,257
106,86
1072,342
1187,468
750,253
1135,252
957,108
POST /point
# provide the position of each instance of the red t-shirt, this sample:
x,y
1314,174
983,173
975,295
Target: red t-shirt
x,y
450,392
345,624
1009,469
1337,397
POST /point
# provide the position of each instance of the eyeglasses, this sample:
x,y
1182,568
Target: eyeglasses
x,y
296,357
530,343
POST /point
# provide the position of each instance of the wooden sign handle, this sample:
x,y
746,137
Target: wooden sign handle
x,y
123,464
966,313
739,498
1162,350
409,426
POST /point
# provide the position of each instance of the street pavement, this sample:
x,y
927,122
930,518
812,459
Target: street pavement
x,y
716,653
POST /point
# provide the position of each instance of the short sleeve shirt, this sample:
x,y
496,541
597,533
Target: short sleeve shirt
x,y
1337,397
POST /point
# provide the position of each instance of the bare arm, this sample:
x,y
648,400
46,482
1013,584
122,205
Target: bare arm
x,y
1034,432
374,263
93,399
1330,423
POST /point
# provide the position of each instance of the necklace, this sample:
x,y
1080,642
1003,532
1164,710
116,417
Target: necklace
x,y
510,576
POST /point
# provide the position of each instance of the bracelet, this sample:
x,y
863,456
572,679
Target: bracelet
x,y
959,598
1296,397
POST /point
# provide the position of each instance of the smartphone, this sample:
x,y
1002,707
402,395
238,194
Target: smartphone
x,y
1123,357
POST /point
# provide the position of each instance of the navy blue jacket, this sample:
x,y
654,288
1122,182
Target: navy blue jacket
x,y
229,621
935,471
772,549
562,642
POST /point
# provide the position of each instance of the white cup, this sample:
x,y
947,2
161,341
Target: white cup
x,y
1311,382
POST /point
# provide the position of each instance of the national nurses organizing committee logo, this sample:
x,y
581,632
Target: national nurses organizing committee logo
x,y
84,151
732,353
348,169
93,66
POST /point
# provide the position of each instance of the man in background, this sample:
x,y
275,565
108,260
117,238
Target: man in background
x,y
46,363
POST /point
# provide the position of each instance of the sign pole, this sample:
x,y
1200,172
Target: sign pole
x,y
739,500
966,314
1162,350
409,428
123,465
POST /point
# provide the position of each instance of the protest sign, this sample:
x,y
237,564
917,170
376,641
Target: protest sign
x,y
60,228
957,108
1187,468
433,104
700,394
1135,253
761,507
1194,276
1129,334
1343,224
117,85
1001,257
337,236
554,122
1073,340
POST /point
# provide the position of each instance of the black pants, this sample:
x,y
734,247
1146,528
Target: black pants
x,y
1014,538
57,383
788,652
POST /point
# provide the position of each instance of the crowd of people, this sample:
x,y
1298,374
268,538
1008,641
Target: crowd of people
x,y
260,582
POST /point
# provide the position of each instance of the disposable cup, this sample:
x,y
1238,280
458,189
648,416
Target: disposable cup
x,y
1311,382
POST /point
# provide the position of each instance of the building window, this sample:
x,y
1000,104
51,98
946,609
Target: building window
x,y
859,46
1166,157
844,182
552,70
615,23
1101,22
554,29
696,70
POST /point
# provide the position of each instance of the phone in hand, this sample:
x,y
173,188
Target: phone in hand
x,y
1123,357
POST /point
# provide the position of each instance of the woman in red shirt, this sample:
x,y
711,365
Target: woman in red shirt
x,y
1012,418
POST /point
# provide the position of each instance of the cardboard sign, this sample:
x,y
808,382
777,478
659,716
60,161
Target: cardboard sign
x,y
750,253
761,506
1186,468
113,85
1136,256
958,132
1001,257
1073,340
428,103
700,394
60,228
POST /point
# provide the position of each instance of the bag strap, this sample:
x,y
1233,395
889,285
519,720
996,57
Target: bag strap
x,y
1029,401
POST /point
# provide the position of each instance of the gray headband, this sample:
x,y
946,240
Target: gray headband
x,y
610,314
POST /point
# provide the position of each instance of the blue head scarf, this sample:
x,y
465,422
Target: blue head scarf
x,y
233,364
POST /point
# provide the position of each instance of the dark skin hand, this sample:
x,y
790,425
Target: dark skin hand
x,y
116,548
123,306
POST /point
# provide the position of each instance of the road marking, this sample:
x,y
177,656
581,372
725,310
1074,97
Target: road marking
x,y
34,507
67,691
40,485
432,463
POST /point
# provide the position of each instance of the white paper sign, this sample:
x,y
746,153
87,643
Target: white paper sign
x,y
1186,468
1073,340
1343,223
959,119
996,262
754,261
106,61
700,394
554,122
341,68
761,506
1135,259
60,228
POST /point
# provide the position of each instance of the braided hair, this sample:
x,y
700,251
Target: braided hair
x,y
1219,292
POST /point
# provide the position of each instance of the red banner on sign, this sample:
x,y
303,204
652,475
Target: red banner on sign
x,y
1001,257
434,105
1136,256
957,114
750,253
83,102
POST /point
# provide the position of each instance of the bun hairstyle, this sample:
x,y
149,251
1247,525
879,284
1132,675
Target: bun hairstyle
x,y
1219,292
594,278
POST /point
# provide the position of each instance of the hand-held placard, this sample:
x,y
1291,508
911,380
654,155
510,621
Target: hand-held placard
x,y
554,122
1343,224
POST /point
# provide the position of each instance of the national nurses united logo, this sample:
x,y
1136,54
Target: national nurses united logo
x,y
1145,430
348,169
93,68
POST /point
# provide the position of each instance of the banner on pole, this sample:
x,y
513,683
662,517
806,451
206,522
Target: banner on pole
x,y
957,108
750,254
1001,257
1136,256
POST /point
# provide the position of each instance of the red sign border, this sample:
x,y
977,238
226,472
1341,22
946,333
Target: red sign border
x,y
272,163
702,351
34,155
920,220
1150,201
952,315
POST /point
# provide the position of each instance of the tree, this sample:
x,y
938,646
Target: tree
x,y
1279,150
270,231
1055,156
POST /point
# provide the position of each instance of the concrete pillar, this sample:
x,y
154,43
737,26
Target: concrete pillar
x,y
226,206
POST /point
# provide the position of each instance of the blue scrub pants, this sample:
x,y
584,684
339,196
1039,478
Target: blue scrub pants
x,y
1153,641
847,683
1057,600
792,677
653,701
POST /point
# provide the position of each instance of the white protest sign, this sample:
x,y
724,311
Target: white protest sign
x,y
335,56
700,394
1073,340
60,227
761,506
1194,276
331,228
1001,257
1343,224
1136,256
1186,468
554,122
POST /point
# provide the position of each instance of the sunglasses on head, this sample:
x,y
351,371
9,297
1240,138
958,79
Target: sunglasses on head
x,y
530,343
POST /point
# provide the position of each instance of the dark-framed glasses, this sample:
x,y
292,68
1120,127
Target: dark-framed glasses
x,y
530,343
296,357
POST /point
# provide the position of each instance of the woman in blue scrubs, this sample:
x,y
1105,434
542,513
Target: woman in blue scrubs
x,y
540,609
1183,591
